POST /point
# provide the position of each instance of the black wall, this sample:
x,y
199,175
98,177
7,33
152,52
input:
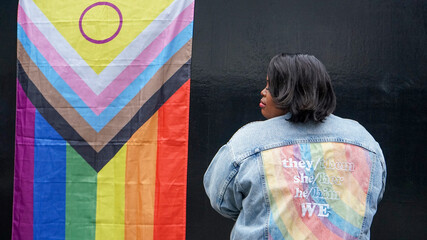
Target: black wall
x,y
376,54
7,112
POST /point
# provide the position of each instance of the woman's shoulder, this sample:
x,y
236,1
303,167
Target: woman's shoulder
x,y
258,128
347,125
255,136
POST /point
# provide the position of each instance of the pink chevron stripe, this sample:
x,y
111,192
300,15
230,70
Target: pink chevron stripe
x,y
99,102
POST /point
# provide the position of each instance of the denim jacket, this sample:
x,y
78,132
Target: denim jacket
x,y
284,180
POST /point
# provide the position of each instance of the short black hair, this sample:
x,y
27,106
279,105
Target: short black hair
x,y
300,84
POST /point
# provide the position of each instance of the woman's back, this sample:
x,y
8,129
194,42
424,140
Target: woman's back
x,y
283,180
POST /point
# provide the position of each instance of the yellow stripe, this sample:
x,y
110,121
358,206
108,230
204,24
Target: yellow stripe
x,y
349,189
279,189
111,198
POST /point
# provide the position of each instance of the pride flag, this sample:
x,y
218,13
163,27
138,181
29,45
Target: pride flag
x,y
102,119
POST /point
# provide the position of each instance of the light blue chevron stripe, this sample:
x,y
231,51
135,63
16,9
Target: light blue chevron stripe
x,y
99,121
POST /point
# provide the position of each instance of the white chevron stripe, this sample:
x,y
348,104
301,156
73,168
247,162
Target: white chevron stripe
x,y
99,82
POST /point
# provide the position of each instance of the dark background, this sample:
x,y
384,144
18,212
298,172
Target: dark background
x,y
375,52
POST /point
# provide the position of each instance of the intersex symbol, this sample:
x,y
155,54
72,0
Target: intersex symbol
x,y
102,40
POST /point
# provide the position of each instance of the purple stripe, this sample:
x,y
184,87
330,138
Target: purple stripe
x,y
22,223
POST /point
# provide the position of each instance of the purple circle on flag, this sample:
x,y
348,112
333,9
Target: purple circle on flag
x,y
103,40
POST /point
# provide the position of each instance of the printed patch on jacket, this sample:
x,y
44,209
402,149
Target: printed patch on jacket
x,y
317,190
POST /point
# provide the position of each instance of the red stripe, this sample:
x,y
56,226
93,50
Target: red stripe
x,y
171,176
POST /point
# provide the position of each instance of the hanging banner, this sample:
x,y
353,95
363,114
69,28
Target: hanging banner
x,y
102,119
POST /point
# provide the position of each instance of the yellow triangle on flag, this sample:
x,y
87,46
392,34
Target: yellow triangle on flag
x,y
100,22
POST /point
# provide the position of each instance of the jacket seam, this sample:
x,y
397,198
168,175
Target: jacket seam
x,y
266,197
224,188
233,156
368,197
243,156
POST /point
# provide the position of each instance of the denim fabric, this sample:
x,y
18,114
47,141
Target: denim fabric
x,y
267,178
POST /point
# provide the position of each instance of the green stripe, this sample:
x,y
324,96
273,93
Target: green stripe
x,y
81,184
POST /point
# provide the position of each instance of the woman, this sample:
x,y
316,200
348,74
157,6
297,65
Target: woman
x,y
303,173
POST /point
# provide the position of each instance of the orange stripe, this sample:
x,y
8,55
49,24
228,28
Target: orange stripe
x,y
140,181
171,180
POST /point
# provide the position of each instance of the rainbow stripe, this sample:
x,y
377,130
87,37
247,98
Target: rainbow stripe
x,y
58,195
317,190
102,126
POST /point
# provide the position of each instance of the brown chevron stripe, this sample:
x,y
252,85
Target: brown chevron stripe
x,y
98,140
97,160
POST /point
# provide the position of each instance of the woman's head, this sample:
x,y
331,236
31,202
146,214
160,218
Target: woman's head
x,y
299,84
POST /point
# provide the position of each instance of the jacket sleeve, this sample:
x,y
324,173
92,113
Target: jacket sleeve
x,y
221,186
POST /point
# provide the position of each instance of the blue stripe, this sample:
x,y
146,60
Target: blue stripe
x,y
333,217
98,122
49,181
